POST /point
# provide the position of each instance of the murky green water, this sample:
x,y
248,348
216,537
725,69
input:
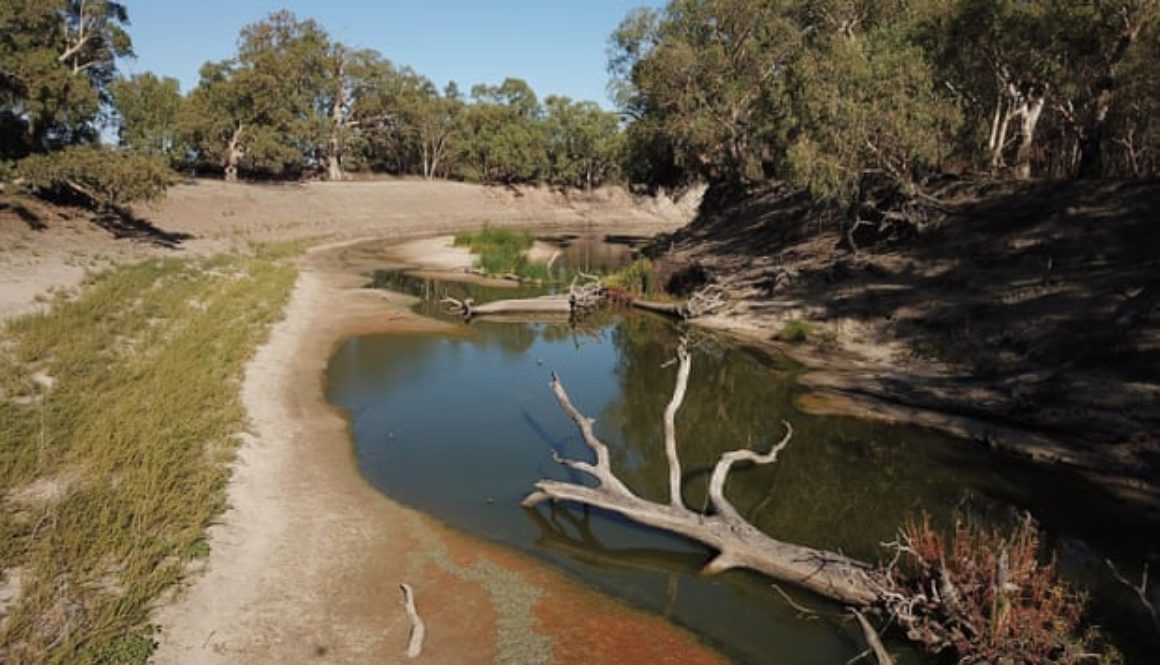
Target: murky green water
x,y
462,428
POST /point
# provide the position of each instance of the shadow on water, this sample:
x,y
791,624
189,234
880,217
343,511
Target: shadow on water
x,y
462,428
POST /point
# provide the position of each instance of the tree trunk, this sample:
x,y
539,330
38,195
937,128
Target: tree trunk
x,y
334,171
1029,115
1091,153
234,153
998,140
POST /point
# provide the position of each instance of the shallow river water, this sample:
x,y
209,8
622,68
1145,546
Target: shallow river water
x,y
462,427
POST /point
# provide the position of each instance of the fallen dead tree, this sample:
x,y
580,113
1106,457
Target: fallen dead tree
x,y
543,305
586,294
738,543
705,301
981,596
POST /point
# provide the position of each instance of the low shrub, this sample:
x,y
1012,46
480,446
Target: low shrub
x,y
108,179
998,602
796,331
637,279
500,251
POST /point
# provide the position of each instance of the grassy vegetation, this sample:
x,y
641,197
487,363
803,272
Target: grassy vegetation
x,y
504,252
119,414
637,279
796,331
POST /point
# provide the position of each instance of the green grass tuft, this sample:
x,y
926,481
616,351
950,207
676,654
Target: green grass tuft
x,y
119,415
796,331
502,251
637,278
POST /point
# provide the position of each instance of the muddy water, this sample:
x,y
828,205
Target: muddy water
x,y
461,428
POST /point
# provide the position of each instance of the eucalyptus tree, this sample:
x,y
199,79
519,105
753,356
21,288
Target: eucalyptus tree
x,y
1037,80
343,116
431,119
149,112
257,111
584,143
706,74
864,101
57,58
501,135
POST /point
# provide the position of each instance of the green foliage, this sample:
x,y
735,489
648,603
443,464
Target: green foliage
x,y
500,136
135,432
149,109
109,179
796,331
822,93
501,251
58,59
584,143
637,278
703,75
864,105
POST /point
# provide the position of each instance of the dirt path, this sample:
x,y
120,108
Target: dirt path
x,y
307,561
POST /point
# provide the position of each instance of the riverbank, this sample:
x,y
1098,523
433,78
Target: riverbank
x,y
1025,322
307,560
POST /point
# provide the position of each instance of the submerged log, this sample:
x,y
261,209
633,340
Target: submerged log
x,y
739,544
543,305
581,297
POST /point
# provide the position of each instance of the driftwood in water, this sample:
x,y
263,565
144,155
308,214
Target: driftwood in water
x,y
543,305
708,300
589,294
581,296
739,544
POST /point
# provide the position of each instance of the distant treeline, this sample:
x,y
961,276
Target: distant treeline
x,y
292,103
820,94
824,93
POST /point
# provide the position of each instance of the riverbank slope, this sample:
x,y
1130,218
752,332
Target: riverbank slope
x,y
1026,320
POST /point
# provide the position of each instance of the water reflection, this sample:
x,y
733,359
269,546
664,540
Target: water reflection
x,y
461,428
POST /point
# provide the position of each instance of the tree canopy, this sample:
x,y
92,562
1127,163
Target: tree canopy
x,y
823,93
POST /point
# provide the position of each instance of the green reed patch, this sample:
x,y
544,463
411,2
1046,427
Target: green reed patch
x,y
504,252
119,415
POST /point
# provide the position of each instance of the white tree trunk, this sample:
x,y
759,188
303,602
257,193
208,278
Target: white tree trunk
x,y
235,151
1029,114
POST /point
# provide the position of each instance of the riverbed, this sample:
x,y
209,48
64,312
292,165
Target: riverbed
x,y
461,425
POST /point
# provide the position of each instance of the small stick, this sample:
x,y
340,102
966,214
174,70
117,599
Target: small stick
x,y
872,639
802,611
418,630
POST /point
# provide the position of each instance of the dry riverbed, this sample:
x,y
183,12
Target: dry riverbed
x,y
306,562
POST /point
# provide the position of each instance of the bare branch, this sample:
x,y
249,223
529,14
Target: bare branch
x,y
739,544
418,629
873,640
721,472
1141,591
670,417
602,471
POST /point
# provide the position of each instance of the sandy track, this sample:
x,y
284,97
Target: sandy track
x,y
306,562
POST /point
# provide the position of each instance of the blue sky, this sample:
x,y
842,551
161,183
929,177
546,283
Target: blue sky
x,y
557,46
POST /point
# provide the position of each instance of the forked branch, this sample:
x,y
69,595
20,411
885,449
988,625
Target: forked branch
x,y
739,544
